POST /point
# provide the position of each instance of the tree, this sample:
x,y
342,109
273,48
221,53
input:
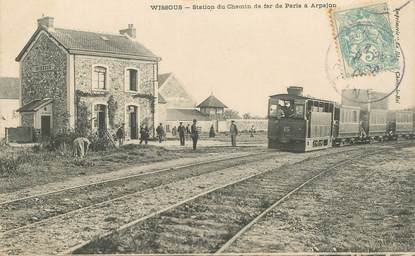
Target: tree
x,y
247,116
231,114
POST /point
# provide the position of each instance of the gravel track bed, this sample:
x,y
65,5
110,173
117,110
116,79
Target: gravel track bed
x,y
204,224
58,235
23,212
367,206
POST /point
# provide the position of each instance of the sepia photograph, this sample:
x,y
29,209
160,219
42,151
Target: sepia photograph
x,y
207,127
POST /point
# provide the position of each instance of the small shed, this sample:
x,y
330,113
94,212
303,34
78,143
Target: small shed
x,y
212,106
38,114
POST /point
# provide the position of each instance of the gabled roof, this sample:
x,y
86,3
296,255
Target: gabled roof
x,y
176,114
162,78
93,43
35,105
285,96
161,100
211,102
9,88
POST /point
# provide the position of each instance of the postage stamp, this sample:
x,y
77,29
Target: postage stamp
x,y
365,40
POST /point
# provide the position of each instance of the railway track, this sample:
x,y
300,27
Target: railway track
x,y
36,209
211,221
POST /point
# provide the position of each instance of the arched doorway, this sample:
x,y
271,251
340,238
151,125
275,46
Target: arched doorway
x,y
132,115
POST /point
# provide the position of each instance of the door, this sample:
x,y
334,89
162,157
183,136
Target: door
x,y
101,120
45,126
133,123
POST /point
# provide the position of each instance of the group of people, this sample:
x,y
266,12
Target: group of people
x,y
182,131
193,132
81,145
144,134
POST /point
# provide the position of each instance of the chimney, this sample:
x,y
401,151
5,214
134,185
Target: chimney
x,y
46,22
295,90
130,31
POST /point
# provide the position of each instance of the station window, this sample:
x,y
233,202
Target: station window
x,y
354,116
99,78
132,80
273,111
299,111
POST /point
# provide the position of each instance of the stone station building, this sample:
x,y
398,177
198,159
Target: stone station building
x,y
78,80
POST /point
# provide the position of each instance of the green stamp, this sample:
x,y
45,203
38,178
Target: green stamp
x,y
366,40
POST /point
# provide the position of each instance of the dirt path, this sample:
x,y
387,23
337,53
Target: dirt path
x,y
369,206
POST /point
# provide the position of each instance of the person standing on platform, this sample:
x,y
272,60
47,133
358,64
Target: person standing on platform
x,y
160,132
144,134
212,132
194,133
234,132
252,131
182,132
121,135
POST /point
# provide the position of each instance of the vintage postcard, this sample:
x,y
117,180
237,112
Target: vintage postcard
x,y
207,127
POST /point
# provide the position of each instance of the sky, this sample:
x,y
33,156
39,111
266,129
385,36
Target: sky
x,y
241,56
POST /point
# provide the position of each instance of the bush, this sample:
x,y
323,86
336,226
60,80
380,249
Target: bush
x,y
59,141
100,143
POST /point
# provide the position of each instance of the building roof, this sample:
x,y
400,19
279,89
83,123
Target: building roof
x,y
93,43
162,78
161,100
176,114
9,88
285,96
35,105
211,102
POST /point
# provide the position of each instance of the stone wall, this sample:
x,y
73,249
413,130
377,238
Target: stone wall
x,y
116,69
43,75
244,124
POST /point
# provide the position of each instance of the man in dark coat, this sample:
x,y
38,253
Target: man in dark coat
x,y
182,131
144,134
194,133
212,133
120,135
234,132
160,132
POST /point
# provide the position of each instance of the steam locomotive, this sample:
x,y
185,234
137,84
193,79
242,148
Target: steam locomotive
x,y
299,124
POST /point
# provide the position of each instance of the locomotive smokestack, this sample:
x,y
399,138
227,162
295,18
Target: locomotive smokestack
x,y
295,90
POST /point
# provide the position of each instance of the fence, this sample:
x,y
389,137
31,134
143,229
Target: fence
x,y
244,124
20,134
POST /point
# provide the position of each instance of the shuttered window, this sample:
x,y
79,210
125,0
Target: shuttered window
x,y
99,78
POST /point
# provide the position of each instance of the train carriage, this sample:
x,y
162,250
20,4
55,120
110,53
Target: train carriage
x,y
377,123
347,125
401,123
298,123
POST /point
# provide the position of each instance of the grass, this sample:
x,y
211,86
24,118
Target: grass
x,y
21,168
